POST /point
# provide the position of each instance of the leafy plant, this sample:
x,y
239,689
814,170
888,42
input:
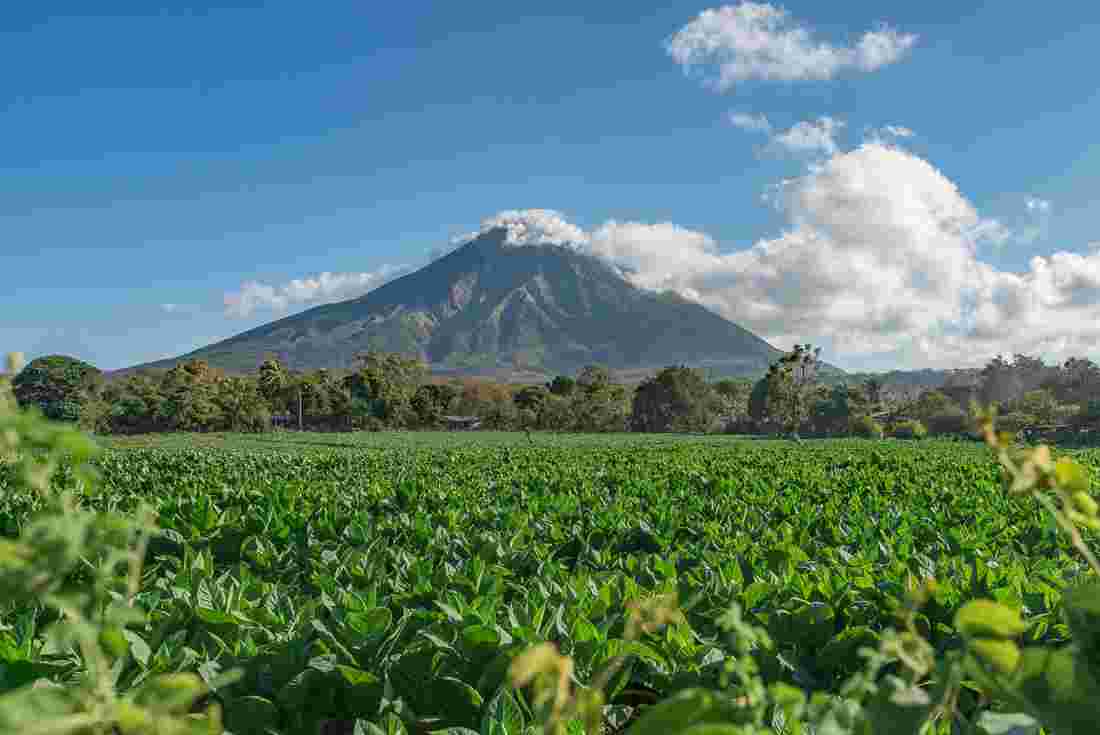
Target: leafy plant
x,y
85,568
866,426
908,685
910,429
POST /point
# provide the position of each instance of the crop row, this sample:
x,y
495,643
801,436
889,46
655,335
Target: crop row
x,y
348,584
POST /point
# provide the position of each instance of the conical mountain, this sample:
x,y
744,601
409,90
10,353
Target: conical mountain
x,y
492,305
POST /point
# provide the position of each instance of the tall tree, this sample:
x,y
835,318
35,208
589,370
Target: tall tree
x,y
791,385
60,386
1001,383
1076,381
872,391
833,411
676,399
734,397
242,406
388,381
599,404
189,397
758,400
274,382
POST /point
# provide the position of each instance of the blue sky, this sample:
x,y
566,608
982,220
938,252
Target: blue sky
x,y
160,157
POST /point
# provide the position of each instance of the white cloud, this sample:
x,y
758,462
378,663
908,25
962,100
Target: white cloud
x,y
760,41
810,136
322,289
752,123
898,131
170,308
530,227
881,259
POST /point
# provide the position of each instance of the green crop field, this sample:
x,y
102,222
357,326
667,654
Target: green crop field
x,y
351,576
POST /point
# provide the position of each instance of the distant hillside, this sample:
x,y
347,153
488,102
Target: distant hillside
x,y
495,308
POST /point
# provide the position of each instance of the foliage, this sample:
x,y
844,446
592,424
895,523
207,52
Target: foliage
x,y
597,403
61,387
910,429
908,685
790,386
758,400
676,399
933,403
562,385
70,666
431,402
531,398
389,381
733,395
844,588
832,413
949,421
872,392
866,426
644,584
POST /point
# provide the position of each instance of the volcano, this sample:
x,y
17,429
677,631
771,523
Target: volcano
x,y
495,305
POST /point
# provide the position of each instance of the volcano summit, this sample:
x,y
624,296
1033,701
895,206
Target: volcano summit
x,y
502,301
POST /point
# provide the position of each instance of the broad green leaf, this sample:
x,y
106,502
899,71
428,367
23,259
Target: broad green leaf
x,y
988,619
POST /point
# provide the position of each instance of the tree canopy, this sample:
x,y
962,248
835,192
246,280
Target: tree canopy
x,y
62,387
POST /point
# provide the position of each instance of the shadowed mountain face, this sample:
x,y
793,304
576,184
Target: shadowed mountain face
x,y
491,305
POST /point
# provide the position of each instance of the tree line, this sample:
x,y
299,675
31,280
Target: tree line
x,y
393,391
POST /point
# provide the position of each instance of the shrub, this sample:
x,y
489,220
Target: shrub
x,y
866,426
947,422
911,429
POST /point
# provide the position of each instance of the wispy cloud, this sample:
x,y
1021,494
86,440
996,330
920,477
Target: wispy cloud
x,y
324,288
752,123
898,131
751,40
810,136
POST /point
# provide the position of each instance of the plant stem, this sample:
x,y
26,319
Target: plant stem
x,y
1071,529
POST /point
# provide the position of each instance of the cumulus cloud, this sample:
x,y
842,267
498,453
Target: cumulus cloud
x,y
880,258
751,40
752,123
810,136
322,289
531,227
